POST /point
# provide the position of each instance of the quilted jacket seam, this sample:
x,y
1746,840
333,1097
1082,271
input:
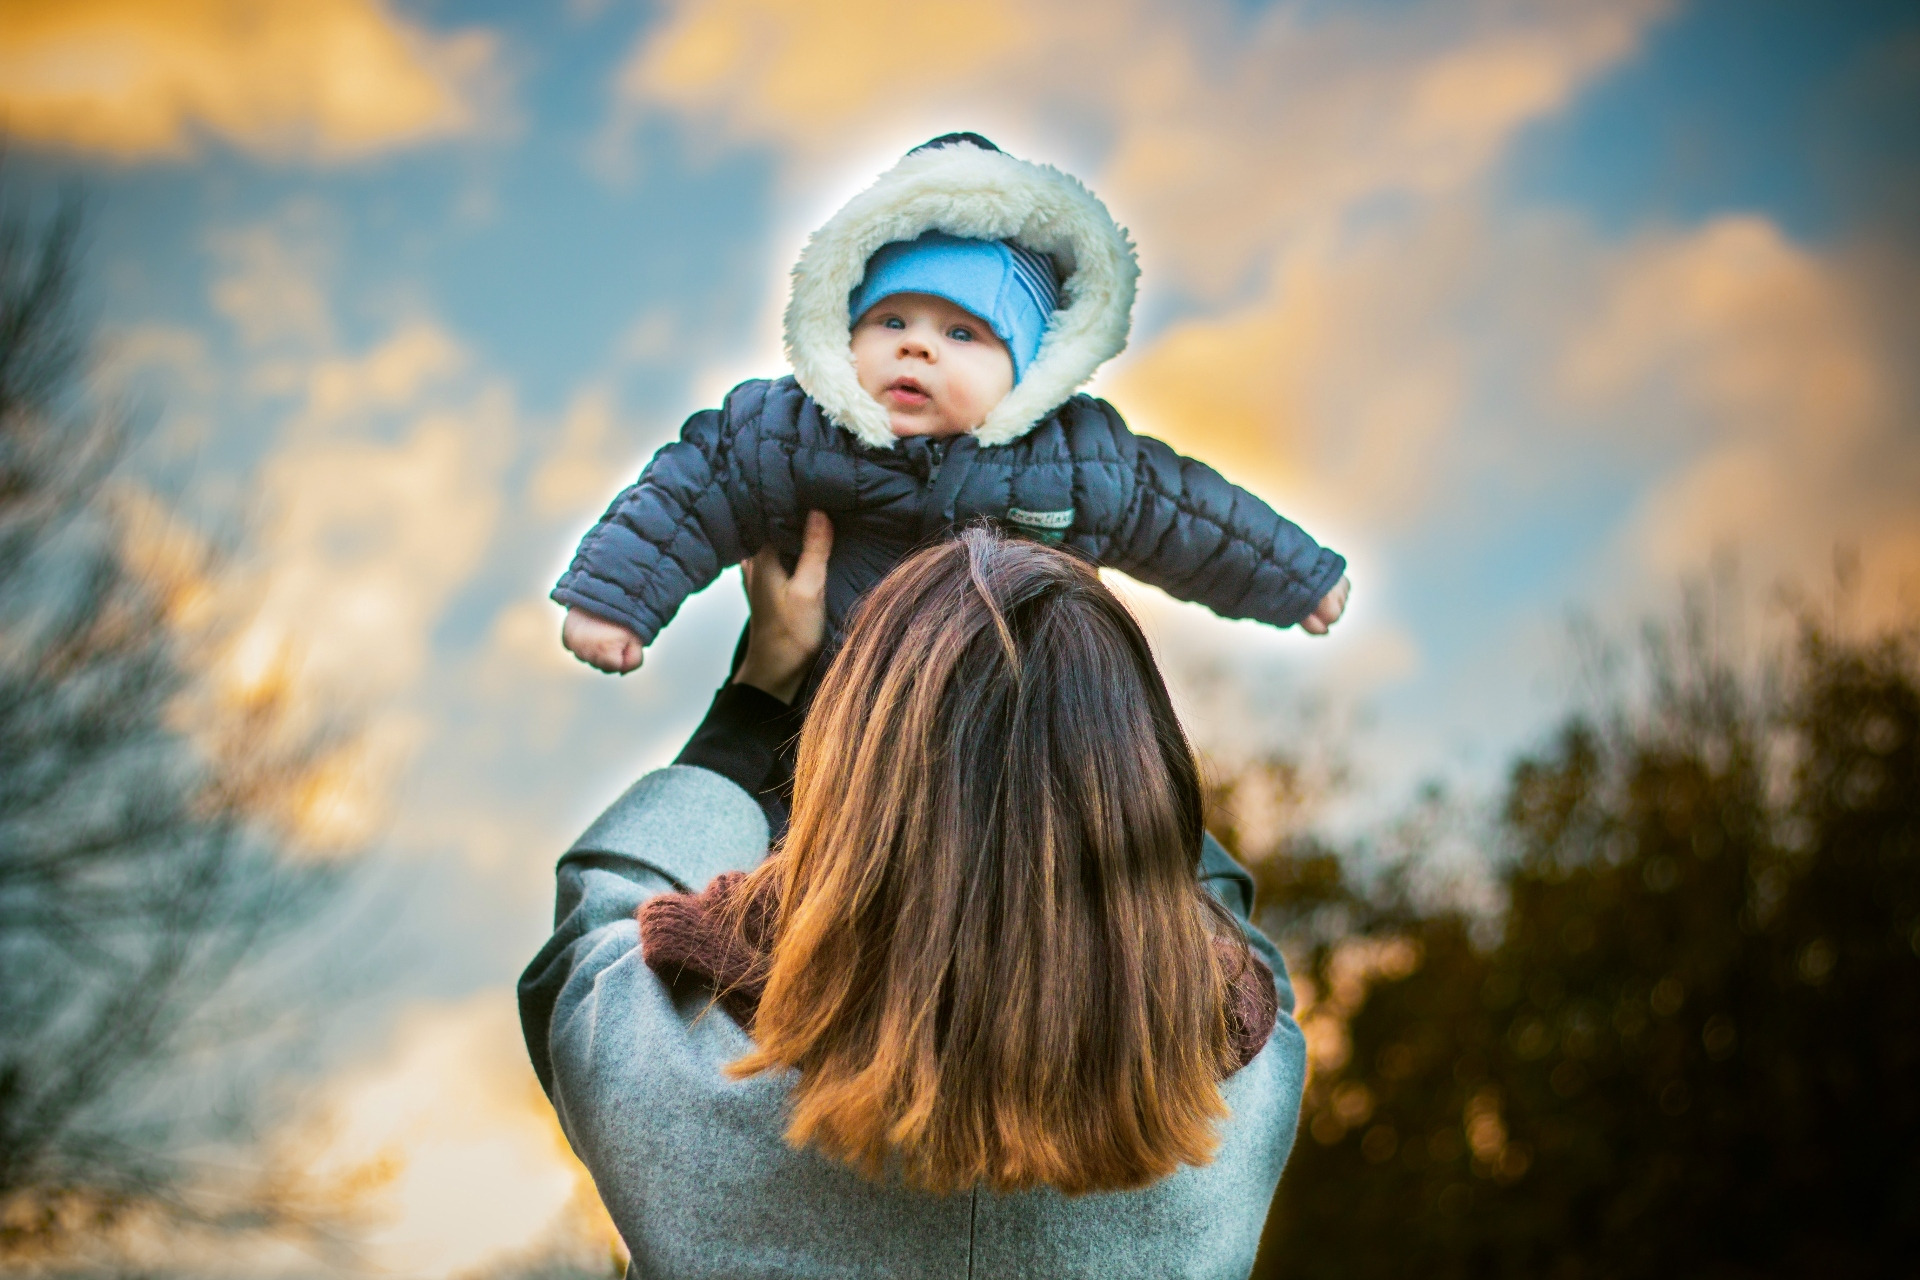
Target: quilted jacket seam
x,y
647,577
1229,536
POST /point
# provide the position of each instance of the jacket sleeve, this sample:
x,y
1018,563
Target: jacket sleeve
x,y
673,530
1190,532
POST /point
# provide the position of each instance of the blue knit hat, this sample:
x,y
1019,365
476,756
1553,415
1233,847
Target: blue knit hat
x,y
1011,288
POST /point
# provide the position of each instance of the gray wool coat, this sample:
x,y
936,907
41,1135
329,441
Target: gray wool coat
x,y
693,1166
744,476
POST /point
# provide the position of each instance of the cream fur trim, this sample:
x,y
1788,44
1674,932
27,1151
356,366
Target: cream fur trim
x,y
986,195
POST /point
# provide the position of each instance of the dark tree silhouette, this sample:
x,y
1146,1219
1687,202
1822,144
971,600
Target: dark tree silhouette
x,y
138,875
1691,1044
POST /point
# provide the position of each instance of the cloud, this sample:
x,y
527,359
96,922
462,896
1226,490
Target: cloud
x,y
269,286
379,504
592,461
1757,361
1481,372
1497,412
318,80
365,541
1301,124
390,376
445,1149
1222,137
363,547
1741,323
783,69
1336,393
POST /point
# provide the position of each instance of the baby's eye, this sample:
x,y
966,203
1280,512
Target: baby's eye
x,y
960,333
894,322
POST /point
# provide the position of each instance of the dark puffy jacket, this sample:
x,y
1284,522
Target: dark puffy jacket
x,y
744,476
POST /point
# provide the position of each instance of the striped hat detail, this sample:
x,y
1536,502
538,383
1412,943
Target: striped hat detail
x,y
1035,271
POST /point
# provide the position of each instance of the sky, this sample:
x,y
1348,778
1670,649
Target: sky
x,y
1533,309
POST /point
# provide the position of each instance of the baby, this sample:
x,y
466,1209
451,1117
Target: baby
x,y
938,328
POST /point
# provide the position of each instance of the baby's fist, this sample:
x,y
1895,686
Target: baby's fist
x,y
599,643
1328,611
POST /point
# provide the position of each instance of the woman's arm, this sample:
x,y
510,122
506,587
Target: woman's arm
x,y
750,728
788,613
677,828
747,738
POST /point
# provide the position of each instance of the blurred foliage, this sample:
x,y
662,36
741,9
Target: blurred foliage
x,y
142,874
1683,1039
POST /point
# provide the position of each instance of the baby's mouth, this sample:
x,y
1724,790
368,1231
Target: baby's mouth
x,y
905,392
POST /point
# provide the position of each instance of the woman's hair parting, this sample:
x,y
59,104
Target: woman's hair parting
x,y
991,963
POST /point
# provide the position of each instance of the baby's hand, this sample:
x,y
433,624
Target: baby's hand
x,y
599,643
1328,611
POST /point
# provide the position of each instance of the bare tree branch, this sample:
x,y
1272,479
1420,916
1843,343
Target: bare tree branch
x,y
140,869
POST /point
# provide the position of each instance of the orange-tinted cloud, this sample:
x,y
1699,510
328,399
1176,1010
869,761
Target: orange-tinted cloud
x,y
377,505
1331,394
1734,376
365,544
1264,140
1224,136
594,457
367,539
1756,360
773,67
444,1153
1764,334
1237,146
318,79
270,287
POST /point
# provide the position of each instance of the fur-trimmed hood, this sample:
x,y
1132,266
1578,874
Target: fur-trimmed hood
x,y
969,190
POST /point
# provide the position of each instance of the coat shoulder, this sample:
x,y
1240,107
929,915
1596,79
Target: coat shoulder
x,y
762,406
778,412
1096,427
1085,432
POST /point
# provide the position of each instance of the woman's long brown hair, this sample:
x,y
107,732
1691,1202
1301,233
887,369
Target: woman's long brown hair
x,y
991,961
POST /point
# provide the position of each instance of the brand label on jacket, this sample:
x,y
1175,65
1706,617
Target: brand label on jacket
x,y
1047,526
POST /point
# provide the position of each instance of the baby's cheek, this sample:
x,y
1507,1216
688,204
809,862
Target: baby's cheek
x,y
986,384
867,368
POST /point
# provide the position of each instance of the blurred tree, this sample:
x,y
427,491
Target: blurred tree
x,y
138,875
1690,1041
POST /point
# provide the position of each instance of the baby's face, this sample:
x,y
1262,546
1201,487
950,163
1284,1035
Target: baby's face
x,y
936,367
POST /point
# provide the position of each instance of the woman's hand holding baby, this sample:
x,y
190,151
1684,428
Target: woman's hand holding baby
x,y
1328,611
607,646
789,622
